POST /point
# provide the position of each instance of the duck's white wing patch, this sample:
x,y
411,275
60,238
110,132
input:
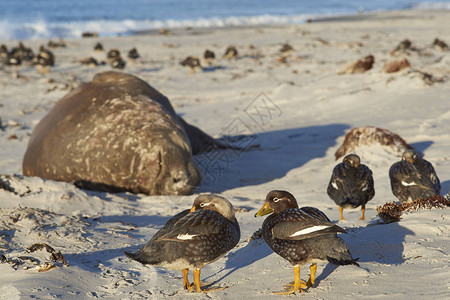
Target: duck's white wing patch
x,y
309,230
186,236
333,183
404,183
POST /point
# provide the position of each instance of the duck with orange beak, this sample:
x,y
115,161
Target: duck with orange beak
x,y
192,239
301,235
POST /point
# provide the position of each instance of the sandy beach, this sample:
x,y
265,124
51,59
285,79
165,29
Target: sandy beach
x,y
296,107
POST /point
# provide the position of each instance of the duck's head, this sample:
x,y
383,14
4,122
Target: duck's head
x,y
352,160
276,202
215,203
410,156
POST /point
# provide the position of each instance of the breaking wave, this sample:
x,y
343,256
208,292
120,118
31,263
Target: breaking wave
x,y
41,28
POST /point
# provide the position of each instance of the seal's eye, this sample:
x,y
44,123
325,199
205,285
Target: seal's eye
x,y
276,199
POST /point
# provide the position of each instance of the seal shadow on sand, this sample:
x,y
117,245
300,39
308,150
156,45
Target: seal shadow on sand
x,y
278,152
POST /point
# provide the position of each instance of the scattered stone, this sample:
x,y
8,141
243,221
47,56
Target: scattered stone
x,y
164,32
323,42
397,65
59,44
360,66
12,123
440,45
89,61
89,34
428,78
403,47
282,59
286,48
238,209
55,255
98,47
14,185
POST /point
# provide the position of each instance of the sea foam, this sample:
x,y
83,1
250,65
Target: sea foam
x,y
41,27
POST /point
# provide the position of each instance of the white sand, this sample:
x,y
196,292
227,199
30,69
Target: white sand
x,y
312,109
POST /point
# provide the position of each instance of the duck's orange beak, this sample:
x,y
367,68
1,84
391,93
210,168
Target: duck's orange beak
x,y
265,210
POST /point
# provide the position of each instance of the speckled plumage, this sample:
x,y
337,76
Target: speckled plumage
x,y
192,239
133,54
98,47
191,62
44,59
215,236
323,245
351,183
112,54
209,54
413,178
231,52
118,63
302,235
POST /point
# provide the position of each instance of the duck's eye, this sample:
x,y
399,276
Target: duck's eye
x,y
203,204
276,199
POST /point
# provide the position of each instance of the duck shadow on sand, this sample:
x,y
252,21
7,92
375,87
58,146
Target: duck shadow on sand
x,y
445,187
264,157
378,243
213,68
420,147
372,244
253,251
150,70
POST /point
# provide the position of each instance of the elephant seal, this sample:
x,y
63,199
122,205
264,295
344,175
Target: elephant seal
x,y
117,133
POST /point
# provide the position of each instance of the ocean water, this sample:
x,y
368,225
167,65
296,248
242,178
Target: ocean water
x,y
32,19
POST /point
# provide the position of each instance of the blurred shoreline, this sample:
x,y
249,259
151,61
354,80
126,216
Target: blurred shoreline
x,y
126,26
364,16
